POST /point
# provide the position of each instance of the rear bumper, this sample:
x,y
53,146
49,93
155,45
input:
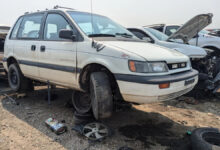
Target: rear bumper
x,y
145,89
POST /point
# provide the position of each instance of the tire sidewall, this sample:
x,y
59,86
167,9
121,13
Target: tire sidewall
x,y
101,95
12,68
74,99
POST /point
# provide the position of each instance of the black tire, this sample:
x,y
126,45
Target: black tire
x,y
101,95
82,119
81,102
16,79
206,139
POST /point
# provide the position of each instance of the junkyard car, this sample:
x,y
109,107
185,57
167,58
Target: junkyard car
x,y
3,32
159,38
215,32
96,56
192,33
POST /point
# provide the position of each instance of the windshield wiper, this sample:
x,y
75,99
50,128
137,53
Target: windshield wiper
x,y
124,35
101,35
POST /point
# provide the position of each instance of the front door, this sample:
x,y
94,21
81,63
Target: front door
x,y
57,57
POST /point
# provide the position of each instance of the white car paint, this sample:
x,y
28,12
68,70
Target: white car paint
x,y
191,51
63,61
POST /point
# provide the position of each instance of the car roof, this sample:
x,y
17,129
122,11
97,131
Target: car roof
x,y
56,10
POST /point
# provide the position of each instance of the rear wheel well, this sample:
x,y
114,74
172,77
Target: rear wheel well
x,y
11,60
85,77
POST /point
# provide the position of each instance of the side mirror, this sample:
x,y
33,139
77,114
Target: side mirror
x,y
67,34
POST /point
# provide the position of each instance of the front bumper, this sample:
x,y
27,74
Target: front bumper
x,y
145,89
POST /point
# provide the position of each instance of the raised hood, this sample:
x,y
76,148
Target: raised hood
x,y
148,51
192,27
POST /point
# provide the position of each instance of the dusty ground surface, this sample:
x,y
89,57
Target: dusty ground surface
x,y
160,126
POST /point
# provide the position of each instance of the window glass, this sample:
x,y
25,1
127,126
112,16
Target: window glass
x,y
30,27
171,29
16,27
55,23
139,34
159,35
97,24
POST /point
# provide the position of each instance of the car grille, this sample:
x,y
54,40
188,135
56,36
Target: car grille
x,y
177,65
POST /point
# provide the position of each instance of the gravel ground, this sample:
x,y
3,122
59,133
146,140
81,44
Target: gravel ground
x,y
159,126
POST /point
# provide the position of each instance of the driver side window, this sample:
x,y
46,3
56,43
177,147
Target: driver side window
x,y
55,23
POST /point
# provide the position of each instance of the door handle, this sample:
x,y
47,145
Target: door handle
x,y
42,48
33,47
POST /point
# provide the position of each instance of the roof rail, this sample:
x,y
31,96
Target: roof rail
x,y
57,7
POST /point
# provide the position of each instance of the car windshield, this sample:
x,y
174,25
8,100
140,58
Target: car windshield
x,y
96,25
157,34
204,32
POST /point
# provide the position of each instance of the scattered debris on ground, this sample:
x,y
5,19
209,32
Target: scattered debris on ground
x,y
159,126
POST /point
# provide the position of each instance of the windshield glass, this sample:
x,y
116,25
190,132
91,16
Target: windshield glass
x,y
204,32
159,35
98,25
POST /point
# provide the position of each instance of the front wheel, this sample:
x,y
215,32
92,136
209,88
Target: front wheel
x,y
101,95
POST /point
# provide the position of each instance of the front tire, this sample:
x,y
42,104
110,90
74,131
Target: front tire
x,y
101,95
16,79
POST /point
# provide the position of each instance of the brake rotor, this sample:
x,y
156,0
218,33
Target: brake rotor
x,y
95,131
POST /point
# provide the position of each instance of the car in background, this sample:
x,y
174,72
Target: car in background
x,y
159,38
167,29
3,33
192,32
214,32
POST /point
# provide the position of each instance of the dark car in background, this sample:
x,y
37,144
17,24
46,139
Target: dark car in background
x,y
3,33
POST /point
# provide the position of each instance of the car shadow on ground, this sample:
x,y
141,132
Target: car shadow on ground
x,y
130,126
206,105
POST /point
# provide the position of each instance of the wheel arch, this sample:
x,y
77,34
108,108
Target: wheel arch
x,y
11,60
212,47
85,73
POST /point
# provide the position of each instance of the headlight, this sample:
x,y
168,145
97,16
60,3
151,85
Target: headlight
x,y
147,67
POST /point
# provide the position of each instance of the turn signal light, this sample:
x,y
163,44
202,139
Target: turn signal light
x,y
164,85
132,66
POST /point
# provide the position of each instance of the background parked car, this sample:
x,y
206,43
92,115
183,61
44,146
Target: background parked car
x,y
214,32
3,32
153,36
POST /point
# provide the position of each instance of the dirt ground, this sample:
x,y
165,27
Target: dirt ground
x,y
159,126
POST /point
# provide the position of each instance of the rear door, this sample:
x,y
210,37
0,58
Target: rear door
x,y
57,57
25,45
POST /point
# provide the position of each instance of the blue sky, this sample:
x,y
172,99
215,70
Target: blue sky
x,y
126,12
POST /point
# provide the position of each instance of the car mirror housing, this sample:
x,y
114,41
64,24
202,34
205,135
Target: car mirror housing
x,y
67,34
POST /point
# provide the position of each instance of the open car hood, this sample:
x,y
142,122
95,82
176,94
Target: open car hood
x,y
192,27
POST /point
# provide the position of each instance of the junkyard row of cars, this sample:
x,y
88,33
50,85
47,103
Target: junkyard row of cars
x,y
106,62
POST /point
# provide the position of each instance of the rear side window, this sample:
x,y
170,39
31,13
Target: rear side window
x,y
15,29
55,23
30,27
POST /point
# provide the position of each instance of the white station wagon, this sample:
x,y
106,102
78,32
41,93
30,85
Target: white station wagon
x,y
93,54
